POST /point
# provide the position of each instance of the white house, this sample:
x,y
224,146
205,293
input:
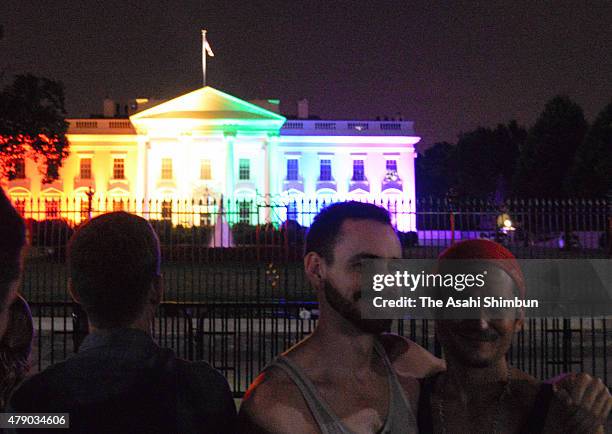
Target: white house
x,y
206,144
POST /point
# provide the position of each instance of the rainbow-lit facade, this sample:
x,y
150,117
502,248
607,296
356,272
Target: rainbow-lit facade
x,y
207,144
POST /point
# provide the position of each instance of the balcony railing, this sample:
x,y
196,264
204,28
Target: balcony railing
x,y
353,128
100,126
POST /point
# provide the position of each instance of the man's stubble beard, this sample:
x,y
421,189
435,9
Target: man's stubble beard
x,y
454,349
349,310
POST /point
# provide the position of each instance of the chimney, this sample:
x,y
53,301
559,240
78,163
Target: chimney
x,y
302,109
109,108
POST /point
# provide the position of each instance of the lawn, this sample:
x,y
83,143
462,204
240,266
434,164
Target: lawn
x,y
45,280
243,280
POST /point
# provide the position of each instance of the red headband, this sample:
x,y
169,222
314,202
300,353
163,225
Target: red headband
x,y
489,251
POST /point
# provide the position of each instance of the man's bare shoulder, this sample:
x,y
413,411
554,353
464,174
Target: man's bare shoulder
x,y
409,358
274,404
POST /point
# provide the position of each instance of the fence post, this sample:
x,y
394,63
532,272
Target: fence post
x,y
609,222
451,195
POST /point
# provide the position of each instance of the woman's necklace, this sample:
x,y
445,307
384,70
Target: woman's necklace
x,y
498,406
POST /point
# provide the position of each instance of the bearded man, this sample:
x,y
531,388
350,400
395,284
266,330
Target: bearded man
x,y
480,392
348,376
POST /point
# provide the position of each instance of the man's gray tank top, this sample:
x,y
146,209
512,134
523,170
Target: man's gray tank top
x,y
400,419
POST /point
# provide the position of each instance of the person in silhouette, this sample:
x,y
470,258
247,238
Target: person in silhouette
x,y
16,327
120,380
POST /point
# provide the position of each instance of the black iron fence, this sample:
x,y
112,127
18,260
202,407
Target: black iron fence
x,y
235,290
240,339
247,251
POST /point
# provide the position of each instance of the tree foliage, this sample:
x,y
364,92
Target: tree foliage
x,y
32,125
486,160
591,174
556,157
481,164
548,153
436,170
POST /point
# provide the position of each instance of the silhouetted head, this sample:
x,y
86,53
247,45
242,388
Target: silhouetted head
x,y
114,264
12,242
340,238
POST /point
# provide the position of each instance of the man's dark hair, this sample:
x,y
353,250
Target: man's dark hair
x,y
325,229
113,260
12,241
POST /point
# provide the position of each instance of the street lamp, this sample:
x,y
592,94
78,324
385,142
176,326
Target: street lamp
x,y
90,194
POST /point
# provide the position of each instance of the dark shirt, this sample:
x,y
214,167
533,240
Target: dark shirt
x,y
534,423
123,382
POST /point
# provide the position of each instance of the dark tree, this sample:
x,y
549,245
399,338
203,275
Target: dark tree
x,y
486,160
476,163
32,125
548,153
591,174
511,138
436,170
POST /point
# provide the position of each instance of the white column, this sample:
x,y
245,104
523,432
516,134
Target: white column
x,y
230,180
410,191
145,176
266,161
141,181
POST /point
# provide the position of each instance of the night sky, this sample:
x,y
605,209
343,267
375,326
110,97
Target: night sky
x,y
449,66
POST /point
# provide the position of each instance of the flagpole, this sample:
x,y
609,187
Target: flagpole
x,y
206,51
203,58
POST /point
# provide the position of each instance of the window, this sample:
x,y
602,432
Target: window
x,y
52,171
166,169
325,173
85,168
118,168
20,169
205,219
205,170
244,169
117,205
244,211
391,165
391,174
166,210
358,171
292,169
52,208
292,210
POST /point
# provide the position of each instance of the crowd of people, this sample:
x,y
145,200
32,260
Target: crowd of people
x,y
351,375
